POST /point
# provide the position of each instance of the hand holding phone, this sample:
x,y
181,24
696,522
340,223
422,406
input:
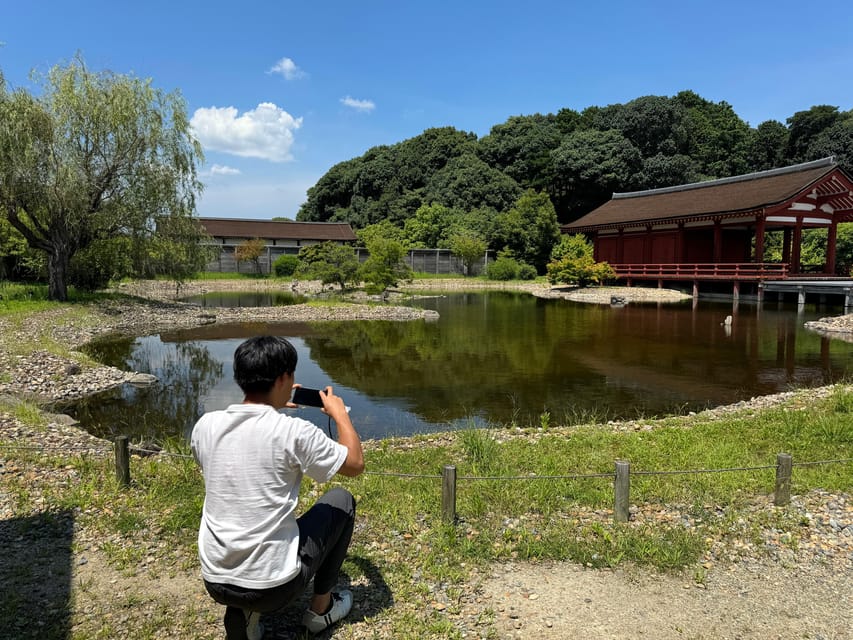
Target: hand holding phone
x,y
307,397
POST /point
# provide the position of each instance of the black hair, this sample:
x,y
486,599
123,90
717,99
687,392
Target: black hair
x,y
259,361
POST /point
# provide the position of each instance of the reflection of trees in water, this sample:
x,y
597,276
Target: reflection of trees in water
x,y
493,347
185,372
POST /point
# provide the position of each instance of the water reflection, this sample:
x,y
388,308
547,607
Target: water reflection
x,y
246,299
496,358
186,372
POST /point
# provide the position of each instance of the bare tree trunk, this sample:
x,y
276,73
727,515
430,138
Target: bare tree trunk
x,y
58,260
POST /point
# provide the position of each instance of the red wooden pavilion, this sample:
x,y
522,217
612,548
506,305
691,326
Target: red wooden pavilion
x,y
715,230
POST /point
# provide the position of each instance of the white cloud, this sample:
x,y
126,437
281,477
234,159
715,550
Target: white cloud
x,y
223,170
265,132
288,69
359,105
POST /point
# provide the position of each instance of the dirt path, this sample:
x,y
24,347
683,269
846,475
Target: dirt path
x,y
758,601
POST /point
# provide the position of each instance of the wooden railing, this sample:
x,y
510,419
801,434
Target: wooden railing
x,y
704,271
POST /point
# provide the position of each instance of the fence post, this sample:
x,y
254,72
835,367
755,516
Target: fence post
x,y
122,461
622,490
784,464
448,494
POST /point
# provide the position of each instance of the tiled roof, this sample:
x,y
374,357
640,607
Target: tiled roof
x,y
727,195
277,230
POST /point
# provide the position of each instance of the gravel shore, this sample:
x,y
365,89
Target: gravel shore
x,y
758,583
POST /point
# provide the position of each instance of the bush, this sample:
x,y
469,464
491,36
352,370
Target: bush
x,y
581,271
526,271
502,269
285,266
92,268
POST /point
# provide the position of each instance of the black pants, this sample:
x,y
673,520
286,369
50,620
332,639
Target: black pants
x,y
325,531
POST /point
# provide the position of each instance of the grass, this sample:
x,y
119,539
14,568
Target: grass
x,y
518,518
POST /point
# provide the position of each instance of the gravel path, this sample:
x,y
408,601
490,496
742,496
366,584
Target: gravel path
x,y
771,586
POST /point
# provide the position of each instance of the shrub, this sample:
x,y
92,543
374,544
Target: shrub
x,y
285,266
92,268
581,271
502,269
526,271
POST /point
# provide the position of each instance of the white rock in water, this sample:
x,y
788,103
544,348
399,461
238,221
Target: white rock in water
x,y
142,379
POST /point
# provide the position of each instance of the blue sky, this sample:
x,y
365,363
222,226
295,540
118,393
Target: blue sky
x,y
281,91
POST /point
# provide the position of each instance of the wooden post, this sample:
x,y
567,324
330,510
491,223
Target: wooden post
x,y
784,464
622,490
448,494
122,461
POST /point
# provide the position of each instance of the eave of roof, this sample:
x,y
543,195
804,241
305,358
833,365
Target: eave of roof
x,y
277,230
737,194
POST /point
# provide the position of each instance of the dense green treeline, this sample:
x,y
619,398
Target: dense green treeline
x,y
578,158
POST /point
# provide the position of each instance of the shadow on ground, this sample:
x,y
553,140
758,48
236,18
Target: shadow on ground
x,y
35,576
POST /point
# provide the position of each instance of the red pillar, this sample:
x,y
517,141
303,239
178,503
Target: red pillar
x,y
679,244
832,234
759,239
620,247
718,241
786,246
795,245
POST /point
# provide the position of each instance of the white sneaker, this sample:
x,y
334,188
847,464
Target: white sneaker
x,y
254,628
341,605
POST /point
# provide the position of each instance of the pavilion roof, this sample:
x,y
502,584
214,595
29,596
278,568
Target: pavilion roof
x,y
737,194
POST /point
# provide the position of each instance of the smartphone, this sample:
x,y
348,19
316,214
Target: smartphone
x,y
307,397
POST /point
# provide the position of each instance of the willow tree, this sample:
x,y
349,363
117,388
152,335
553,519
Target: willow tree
x,y
94,156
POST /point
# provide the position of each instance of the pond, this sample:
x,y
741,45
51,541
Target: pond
x,y
246,299
494,358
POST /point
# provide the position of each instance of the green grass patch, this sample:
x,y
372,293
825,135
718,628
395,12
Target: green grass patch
x,y
517,498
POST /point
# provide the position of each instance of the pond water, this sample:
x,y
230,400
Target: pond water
x,y
492,359
246,299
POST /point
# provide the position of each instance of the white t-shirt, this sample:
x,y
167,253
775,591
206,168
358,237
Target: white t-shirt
x,y
253,458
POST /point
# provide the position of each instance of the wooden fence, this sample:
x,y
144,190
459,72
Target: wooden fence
x,y
621,479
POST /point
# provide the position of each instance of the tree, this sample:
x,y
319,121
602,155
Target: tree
x,y
17,258
179,250
386,230
330,263
836,140
805,126
469,248
588,167
766,146
467,182
251,251
572,262
574,245
530,229
384,266
665,171
428,226
581,271
521,148
95,156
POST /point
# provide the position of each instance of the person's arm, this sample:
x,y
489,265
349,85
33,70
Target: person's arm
x,y
334,406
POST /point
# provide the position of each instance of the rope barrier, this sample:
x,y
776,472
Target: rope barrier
x,y
160,453
697,471
576,476
817,462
